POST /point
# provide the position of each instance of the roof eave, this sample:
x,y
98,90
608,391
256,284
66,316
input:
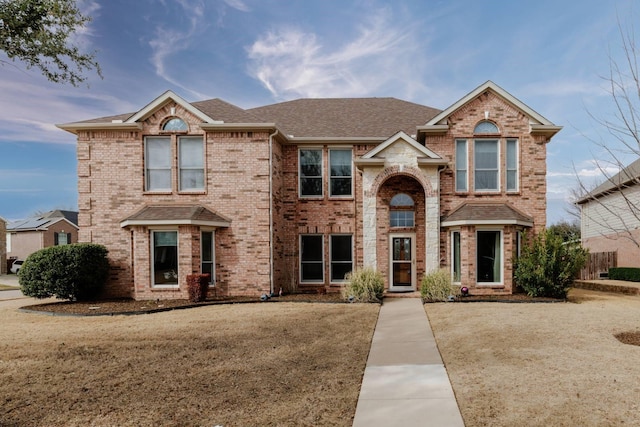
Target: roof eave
x,y
433,129
170,222
83,126
463,222
237,126
545,130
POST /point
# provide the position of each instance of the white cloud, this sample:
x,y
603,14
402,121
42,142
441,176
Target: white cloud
x,y
292,63
238,5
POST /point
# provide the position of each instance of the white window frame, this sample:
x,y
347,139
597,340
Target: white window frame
x,y
322,262
459,169
332,177
475,166
153,256
181,168
212,280
147,182
494,283
516,188
453,256
332,262
320,177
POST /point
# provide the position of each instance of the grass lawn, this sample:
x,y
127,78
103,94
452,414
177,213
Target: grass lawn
x,y
285,364
542,364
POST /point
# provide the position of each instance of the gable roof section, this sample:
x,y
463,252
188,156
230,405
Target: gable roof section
x,y
166,97
424,155
538,123
486,214
344,118
627,177
176,215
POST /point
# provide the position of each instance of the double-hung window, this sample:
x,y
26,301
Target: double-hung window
x,y
311,258
341,256
401,211
310,161
340,166
512,165
164,269
207,255
191,163
461,165
486,162
157,163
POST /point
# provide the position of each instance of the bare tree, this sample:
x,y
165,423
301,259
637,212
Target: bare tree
x,y
614,205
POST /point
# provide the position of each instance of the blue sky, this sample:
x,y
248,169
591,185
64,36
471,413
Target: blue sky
x,y
552,55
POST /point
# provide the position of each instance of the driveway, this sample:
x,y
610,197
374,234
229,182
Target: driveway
x,y
11,280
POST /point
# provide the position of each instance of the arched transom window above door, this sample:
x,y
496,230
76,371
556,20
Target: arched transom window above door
x,y
401,211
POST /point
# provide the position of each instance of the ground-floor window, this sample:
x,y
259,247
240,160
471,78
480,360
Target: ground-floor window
x,y
455,256
165,258
341,256
311,258
489,256
207,254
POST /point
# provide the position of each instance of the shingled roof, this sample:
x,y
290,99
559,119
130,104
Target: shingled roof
x,y
346,117
176,215
486,213
625,178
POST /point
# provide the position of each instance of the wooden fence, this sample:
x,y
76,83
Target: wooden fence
x,y
597,264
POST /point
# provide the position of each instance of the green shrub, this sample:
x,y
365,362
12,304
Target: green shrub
x,y
548,266
436,286
75,272
363,285
624,273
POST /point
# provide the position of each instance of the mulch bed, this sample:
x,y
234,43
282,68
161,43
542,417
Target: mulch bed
x,y
130,306
631,338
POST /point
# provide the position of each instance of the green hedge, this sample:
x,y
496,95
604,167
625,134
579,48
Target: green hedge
x,y
76,272
625,273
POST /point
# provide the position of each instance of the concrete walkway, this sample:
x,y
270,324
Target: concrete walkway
x,y
405,382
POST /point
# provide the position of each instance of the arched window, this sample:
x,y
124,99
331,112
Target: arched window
x,y
175,125
486,127
401,213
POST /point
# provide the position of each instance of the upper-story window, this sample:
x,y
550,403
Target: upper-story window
x,y
401,213
340,166
175,125
461,165
158,163
191,163
512,165
486,165
486,127
310,173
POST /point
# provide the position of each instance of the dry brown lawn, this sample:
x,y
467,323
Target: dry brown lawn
x,y
233,365
543,364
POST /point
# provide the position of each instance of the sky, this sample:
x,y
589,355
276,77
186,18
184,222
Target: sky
x,y
553,55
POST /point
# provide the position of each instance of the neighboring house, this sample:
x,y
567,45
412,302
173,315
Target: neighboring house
x,y
53,228
610,216
296,194
3,246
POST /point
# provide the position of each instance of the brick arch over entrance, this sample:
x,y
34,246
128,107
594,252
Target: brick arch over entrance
x,y
397,170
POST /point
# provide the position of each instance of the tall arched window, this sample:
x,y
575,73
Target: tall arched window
x,y
401,212
486,127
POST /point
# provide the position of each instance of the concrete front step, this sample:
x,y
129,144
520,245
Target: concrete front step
x,y
605,285
414,294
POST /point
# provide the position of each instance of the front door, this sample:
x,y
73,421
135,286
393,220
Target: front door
x,y
402,268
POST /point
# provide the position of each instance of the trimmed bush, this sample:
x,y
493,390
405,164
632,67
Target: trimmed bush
x,y
629,274
74,272
437,287
548,266
363,285
198,286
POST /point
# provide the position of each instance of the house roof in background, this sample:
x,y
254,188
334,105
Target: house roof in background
x,y
43,221
627,177
486,214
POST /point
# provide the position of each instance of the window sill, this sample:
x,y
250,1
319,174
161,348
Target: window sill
x,y
164,287
157,193
310,197
341,198
198,192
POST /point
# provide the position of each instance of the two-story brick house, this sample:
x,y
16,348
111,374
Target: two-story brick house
x,y
296,194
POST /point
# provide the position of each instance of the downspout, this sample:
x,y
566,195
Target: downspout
x,y
271,273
